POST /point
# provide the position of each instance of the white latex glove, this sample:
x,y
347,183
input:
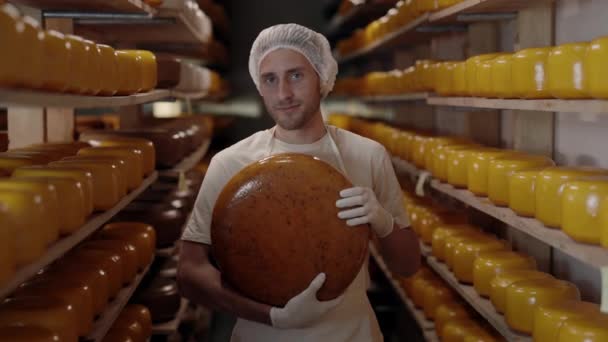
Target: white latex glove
x,y
302,310
367,210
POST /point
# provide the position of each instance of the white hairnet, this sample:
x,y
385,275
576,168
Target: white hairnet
x,y
314,46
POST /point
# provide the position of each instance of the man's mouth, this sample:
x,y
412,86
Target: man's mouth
x,y
293,106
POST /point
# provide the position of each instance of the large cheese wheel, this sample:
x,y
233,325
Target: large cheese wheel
x,y
27,333
275,226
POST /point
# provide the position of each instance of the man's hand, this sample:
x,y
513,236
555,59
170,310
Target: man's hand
x,y
367,210
304,309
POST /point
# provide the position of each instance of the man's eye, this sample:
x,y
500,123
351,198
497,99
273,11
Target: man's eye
x,y
269,80
296,76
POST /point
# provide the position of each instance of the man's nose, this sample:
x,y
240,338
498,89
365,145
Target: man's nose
x,y
285,91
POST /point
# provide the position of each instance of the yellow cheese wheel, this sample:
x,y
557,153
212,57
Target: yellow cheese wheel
x,y
524,296
55,62
592,328
129,72
11,35
482,335
141,235
447,312
466,252
419,285
459,79
500,283
64,148
458,164
489,264
453,240
522,192
117,163
478,169
111,263
434,295
108,70
127,252
484,79
603,223
27,224
500,169
146,147
581,208
443,78
140,314
31,45
72,196
408,283
47,311
83,177
548,318
12,162
148,67
500,72
549,189
93,77
78,65
73,271
78,297
418,149
49,202
473,88
529,73
106,192
440,160
566,71
596,71
442,232
457,330
429,223
27,333
133,157
438,143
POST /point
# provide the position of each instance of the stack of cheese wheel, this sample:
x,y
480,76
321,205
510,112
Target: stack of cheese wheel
x,y
48,60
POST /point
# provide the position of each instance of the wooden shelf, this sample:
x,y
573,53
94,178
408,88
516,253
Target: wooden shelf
x,y
32,98
404,33
481,305
397,98
424,324
168,26
198,95
450,14
592,255
165,252
59,248
358,16
171,327
98,6
103,324
550,105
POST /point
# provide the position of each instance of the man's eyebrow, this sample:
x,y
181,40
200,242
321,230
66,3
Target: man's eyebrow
x,y
292,70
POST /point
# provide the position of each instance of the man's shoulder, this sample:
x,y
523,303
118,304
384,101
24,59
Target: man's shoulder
x,y
244,151
356,143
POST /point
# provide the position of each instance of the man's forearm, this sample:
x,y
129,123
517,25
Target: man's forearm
x,y
401,251
203,285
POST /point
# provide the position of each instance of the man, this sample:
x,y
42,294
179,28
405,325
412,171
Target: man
x,y
293,70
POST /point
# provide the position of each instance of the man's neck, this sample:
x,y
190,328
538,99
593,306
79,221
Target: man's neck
x,y
311,132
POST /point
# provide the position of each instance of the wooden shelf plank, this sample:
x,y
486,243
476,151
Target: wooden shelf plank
x,y
32,98
481,305
170,327
165,252
357,16
397,98
103,324
98,6
168,26
418,314
589,254
390,38
59,248
450,14
549,105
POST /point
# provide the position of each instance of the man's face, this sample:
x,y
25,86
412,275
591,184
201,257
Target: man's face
x,y
290,88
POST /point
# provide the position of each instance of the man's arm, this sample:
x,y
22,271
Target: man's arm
x,y
401,251
202,283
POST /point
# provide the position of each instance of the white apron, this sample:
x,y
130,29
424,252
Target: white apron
x,y
352,320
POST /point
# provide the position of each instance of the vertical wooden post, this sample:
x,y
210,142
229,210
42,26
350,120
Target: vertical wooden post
x,y
26,126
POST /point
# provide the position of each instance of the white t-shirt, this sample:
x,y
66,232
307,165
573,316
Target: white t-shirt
x,y
367,164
